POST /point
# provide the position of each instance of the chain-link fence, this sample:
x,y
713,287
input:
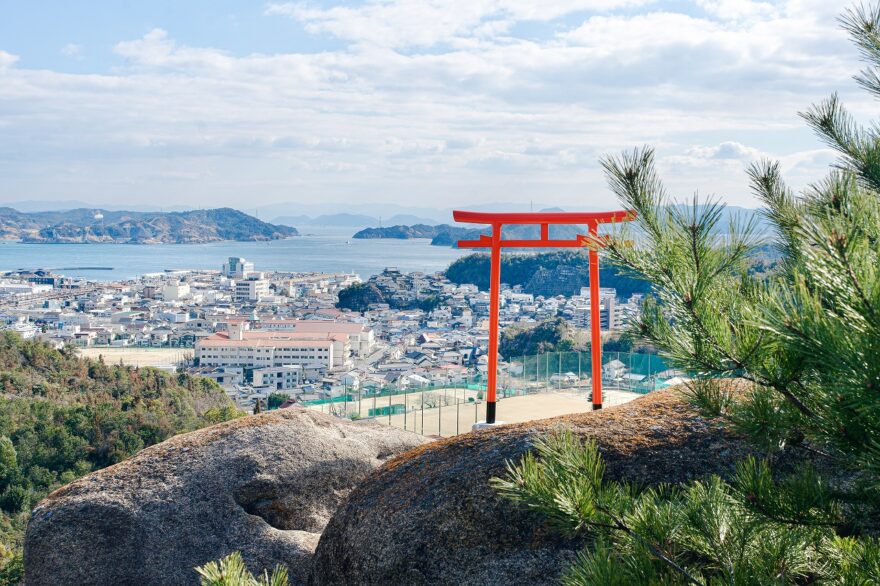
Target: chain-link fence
x,y
452,405
622,371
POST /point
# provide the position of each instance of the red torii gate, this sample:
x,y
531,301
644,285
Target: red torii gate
x,y
543,219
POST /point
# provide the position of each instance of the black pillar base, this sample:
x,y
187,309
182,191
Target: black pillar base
x,y
597,406
490,412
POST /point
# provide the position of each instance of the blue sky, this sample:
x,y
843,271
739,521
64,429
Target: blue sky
x,y
415,102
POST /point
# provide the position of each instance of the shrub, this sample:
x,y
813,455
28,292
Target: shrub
x,y
753,531
806,335
231,571
711,396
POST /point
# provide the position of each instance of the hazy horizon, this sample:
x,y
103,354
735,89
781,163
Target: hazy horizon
x,y
412,104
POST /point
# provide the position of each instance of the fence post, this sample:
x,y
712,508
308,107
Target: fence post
x,y
405,407
559,371
457,414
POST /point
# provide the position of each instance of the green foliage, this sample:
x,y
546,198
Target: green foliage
x,y
222,413
711,396
359,297
11,568
755,531
276,400
805,332
231,571
519,269
62,417
429,304
555,335
809,336
563,480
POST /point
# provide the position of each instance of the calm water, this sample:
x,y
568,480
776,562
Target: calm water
x,y
328,250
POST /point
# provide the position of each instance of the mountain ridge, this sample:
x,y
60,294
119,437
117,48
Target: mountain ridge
x,y
89,226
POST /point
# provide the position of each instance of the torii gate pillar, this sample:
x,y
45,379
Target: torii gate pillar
x,y
495,243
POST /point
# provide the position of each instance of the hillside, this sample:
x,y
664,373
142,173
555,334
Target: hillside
x,y
447,235
555,335
62,417
548,274
400,232
91,226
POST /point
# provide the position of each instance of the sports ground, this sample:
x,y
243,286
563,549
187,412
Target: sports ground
x,y
449,412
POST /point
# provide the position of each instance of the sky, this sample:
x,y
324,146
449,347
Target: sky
x,y
430,103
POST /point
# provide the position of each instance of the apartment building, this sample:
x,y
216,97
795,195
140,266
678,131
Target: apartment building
x,y
280,378
252,289
610,312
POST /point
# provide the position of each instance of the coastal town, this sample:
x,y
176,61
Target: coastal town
x,y
270,337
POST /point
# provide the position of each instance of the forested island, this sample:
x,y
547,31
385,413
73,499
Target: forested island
x,y
121,227
447,235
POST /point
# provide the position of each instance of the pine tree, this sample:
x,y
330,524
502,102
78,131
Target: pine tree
x,y
807,338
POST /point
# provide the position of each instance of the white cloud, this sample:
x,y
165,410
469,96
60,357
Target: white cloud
x,y
7,59
72,50
729,150
737,9
425,23
445,100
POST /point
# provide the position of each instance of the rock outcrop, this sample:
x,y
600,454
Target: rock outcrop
x,y
430,516
263,485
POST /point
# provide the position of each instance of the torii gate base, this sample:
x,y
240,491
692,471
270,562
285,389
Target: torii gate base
x,y
494,242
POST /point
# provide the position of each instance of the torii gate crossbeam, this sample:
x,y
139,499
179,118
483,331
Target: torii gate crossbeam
x,y
593,241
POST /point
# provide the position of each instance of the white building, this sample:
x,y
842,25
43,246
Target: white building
x,y
264,349
175,291
237,268
251,289
360,337
25,330
280,378
350,380
610,314
19,288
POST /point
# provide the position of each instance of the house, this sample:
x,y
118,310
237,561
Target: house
x,y
351,380
614,370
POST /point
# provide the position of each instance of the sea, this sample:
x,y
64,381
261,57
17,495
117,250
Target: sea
x,y
319,249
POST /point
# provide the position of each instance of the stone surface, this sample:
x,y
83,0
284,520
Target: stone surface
x,y
483,425
430,517
264,485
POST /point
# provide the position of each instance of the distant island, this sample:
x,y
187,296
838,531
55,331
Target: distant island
x,y
351,220
89,226
402,232
447,235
